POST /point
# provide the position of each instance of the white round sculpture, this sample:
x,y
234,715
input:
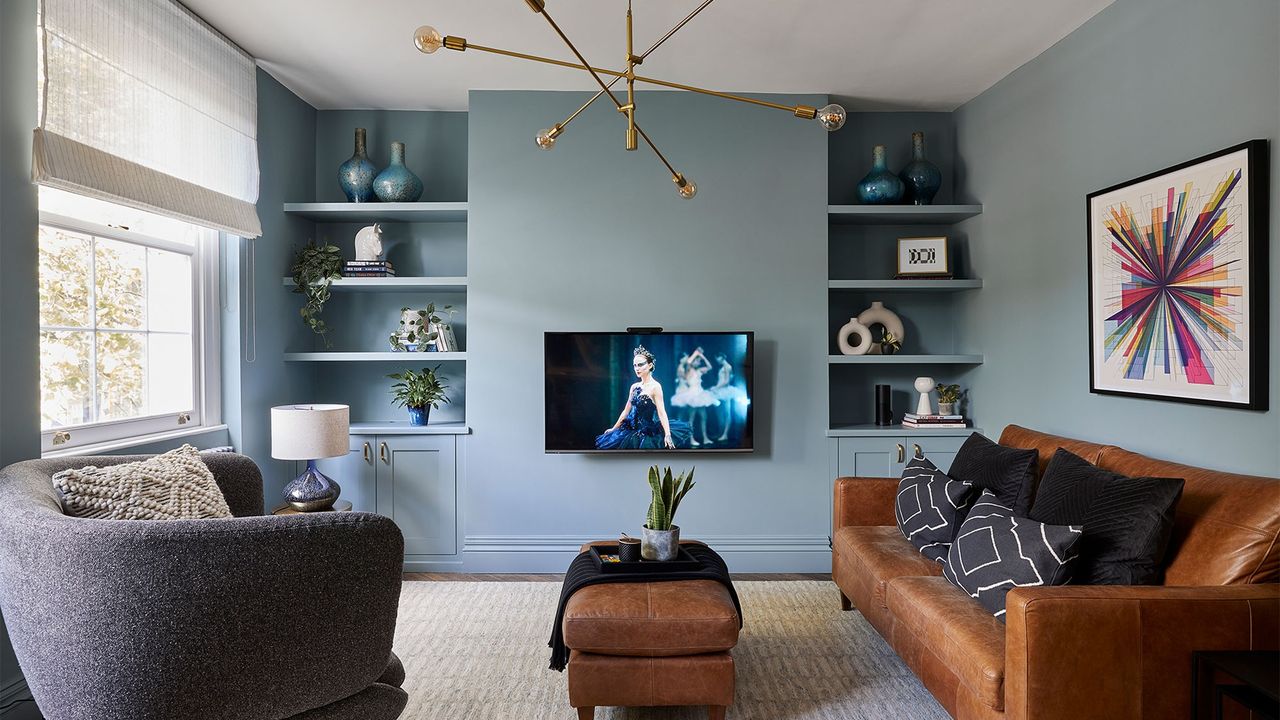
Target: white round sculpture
x,y
853,327
924,386
369,242
878,314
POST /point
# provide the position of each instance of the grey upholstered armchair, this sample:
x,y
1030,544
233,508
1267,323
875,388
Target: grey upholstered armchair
x,y
242,618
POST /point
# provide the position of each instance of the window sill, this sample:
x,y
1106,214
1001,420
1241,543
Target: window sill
x,y
126,443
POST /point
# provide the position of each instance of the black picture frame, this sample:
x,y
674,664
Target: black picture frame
x,y
1256,289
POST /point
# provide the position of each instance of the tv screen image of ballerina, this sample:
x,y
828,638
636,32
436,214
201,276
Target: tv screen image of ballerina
x,y
661,392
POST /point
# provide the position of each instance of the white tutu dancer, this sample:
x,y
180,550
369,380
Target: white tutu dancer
x,y
689,391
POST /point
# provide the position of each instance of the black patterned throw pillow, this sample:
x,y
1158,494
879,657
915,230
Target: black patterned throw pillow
x,y
996,552
1127,521
1006,471
928,505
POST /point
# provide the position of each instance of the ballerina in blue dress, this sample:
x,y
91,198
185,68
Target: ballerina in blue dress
x,y
643,424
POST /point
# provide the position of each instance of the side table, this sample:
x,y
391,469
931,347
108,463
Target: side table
x,y
339,506
1253,681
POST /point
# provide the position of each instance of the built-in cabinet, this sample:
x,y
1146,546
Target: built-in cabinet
x,y
887,455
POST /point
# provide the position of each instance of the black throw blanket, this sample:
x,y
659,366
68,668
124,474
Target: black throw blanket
x,y
583,572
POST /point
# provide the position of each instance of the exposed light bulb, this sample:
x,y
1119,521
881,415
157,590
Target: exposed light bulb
x,y
546,139
832,117
428,39
688,190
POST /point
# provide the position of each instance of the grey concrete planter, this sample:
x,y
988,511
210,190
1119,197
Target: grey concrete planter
x,y
660,544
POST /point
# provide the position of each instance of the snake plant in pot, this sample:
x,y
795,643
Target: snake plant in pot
x,y
660,539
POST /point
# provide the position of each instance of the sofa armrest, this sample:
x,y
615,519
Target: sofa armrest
x,y
863,501
1129,646
200,619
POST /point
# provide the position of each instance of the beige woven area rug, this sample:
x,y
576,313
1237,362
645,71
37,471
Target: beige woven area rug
x,y
478,651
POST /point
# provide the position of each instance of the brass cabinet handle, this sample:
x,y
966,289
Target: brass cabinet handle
x,y
919,452
902,453
384,453
368,453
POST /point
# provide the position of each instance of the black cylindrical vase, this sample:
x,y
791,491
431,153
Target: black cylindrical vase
x,y
884,405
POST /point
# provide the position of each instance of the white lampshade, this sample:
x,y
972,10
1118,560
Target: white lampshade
x,y
309,432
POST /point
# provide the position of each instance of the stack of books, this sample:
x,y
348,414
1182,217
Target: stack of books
x,y
942,422
368,268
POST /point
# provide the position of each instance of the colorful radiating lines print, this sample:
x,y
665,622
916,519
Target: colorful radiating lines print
x,y
1175,305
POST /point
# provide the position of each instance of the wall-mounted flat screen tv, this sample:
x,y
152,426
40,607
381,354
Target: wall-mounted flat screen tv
x,y
655,392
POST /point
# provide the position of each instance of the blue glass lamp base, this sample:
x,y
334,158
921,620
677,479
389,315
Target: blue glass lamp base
x,y
311,491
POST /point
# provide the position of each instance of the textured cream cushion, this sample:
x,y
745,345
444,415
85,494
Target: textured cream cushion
x,y
174,486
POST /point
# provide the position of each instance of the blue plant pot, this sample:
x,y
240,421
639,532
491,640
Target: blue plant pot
x,y
419,416
880,187
355,176
921,178
397,183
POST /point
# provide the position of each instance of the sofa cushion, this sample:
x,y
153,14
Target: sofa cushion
x,y
996,552
928,507
1007,472
176,485
1126,521
968,640
881,553
651,619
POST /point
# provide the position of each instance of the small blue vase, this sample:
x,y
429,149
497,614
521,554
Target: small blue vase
x,y
419,415
355,176
879,187
397,183
921,177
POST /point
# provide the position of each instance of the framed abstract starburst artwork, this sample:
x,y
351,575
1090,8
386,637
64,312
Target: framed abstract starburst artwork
x,y
1178,282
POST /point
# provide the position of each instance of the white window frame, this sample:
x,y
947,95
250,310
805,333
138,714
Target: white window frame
x,y
206,413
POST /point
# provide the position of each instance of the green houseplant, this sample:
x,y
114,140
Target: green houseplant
x,y
314,270
419,392
418,329
661,538
948,396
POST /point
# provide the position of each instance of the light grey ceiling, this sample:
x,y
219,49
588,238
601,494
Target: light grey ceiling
x,y
885,54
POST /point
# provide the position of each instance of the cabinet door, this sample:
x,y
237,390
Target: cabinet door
x,y
940,450
872,456
417,487
354,473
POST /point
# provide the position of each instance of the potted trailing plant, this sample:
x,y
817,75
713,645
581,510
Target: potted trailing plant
x,y
417,331
314,270
948,396
660,539
419,392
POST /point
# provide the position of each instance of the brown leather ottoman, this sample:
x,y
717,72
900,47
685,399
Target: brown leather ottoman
x,y
647,644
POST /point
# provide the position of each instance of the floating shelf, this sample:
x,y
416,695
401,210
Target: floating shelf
x,y
940,286
437,212
904,359
395,284
404,428
429,357
895,430
900,214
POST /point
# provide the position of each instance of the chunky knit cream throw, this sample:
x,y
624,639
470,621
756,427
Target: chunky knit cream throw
x,y
174,486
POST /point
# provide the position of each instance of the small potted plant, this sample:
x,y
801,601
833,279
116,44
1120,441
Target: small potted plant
x,y
948,397
417,331
314,270
660,539
419,392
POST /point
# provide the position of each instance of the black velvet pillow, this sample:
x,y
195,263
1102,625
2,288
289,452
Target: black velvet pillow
x,y
928,506
1127,521
1008,473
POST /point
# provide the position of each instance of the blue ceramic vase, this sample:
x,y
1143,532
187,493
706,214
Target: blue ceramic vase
x,y
397,183
921,177
419,416
879,187
355,176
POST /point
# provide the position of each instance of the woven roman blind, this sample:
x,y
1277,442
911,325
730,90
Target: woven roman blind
x,y
143,104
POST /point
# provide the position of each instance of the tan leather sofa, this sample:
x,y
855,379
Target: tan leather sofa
x,y
1072,651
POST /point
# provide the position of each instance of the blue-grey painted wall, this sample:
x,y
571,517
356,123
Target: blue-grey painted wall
x,y
590,237
1143,85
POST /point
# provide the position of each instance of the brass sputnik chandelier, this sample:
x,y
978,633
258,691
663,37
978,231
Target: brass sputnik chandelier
x,y
429,40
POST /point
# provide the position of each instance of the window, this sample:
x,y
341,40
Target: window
x,y
128,323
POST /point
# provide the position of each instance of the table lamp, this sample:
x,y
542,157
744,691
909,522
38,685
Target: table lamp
x,y
310,432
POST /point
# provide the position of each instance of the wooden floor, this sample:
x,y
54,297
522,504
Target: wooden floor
x,y
557,577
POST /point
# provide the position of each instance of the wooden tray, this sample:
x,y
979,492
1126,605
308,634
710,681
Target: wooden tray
x,y
683,561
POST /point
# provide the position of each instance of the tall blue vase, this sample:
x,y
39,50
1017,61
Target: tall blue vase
x,y
397,183
879,187
921,177
355,176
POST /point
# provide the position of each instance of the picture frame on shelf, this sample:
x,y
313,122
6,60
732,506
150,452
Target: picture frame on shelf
x,y
1178,287
923,257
